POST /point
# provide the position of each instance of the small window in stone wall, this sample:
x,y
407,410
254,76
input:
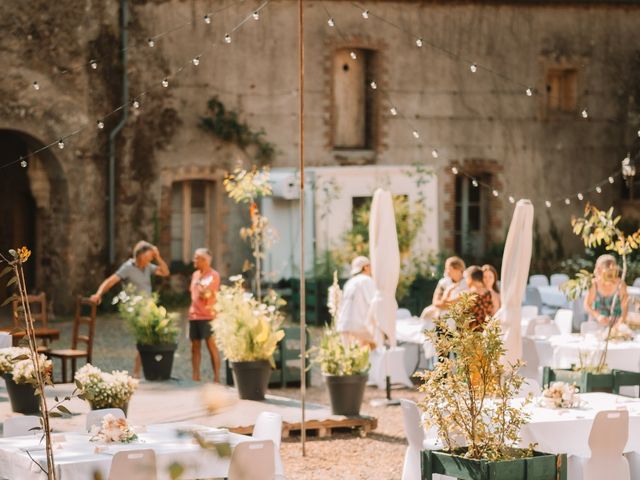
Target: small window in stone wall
x,y
192,218
471,217
562,90
354,107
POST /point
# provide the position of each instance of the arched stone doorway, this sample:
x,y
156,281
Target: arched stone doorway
x,y
34,212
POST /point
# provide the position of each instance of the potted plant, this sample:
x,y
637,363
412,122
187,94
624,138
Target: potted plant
x,y
155,330
344,366
105,390
17,369
247,330
469,400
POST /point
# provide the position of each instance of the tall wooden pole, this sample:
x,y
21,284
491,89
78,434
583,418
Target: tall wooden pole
x,y
303,306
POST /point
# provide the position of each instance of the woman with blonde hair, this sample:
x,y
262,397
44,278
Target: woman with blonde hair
x,y
490,280
607,286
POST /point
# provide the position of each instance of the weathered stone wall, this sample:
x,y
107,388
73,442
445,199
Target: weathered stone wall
x,y
473,119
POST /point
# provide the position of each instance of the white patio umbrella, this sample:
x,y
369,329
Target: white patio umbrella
x,y
385,266
514,273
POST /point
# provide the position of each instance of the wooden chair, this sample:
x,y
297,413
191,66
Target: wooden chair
x,y
73,353
38,307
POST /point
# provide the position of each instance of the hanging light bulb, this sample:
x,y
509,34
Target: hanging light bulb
x,y
611,180
511,199
207,19
584,113
196,61
365,14
419,42
135,104
227,38
23,163
100,124
434,153
529,92
35,85
599,189
494,193
454,170
547,203
580,196
256,15
474,182
331,22
353,54
93,64
567,201
415,134
628,169
165,82
473,67
393,111
639,133
151,42
60,144
374,85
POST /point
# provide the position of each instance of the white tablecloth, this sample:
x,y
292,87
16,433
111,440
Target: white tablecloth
x,y
411,330
567,430
76,459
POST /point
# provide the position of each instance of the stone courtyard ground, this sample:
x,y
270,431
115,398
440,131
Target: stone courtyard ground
x,y
379,455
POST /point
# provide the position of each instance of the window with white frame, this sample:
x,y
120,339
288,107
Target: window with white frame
x,y
192,217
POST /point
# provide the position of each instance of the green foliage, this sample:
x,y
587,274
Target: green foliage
x,y
336,358
574,287
467,394
150,323
226,125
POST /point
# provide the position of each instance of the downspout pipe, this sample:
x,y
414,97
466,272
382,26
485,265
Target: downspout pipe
x,y
114,132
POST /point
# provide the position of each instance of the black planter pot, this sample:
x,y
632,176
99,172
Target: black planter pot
x,y
157,360
346,392
251,378
22,395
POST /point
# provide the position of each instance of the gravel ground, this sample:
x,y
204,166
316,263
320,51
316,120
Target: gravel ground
x,y
379,455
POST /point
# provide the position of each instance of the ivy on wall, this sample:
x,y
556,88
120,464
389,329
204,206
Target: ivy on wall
x,y
225,125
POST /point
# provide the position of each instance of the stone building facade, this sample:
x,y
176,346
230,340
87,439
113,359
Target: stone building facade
x,y
575,55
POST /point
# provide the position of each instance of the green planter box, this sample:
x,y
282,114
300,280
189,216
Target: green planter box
x,y
542,466
609,382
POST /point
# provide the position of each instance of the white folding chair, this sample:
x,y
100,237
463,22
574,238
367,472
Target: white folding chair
x,y
564,320
538,281
402,313
546,330
529,311
530,386
608,437
269,427
532,297
134,465
558,279
534,322
636,282
252,461
15,426
531,368
590,327
94,417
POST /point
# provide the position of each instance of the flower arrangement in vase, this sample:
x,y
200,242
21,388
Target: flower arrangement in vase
x,y
105,390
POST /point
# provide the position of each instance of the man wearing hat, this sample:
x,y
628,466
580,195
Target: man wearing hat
x,y
358,292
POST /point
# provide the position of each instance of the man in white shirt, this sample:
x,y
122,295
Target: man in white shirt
x,y
358,292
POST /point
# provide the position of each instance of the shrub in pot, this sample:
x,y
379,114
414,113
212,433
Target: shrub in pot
x,y
155,330
247,331
17,368
105,390
469,399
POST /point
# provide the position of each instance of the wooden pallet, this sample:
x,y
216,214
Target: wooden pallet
x,y
323,428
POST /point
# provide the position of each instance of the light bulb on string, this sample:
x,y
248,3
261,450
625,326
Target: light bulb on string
x,y
611,180
547,203
529,92
353,55
598,189
227,38
393,111
419,42
494,193
100,124
454,170
35,85
207,19
511,199
374,85
93,64
580,196
196,61
151,42
584,113
473,67
567,201
23,163
256,15
415,134
331,22
365,14
60,144
165,82
474,182
639,133
434,153
135,104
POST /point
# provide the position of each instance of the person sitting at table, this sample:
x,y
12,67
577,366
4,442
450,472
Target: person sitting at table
x,y
483,305
607,290
490,280
448,288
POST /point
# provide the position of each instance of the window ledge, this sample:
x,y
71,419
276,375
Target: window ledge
x,y
354,157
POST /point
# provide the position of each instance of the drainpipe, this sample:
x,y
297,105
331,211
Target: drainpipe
x,y
116,130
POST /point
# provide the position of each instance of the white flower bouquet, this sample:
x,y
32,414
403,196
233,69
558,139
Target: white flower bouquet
x,y
559,395
619,333
245,328
113,430
18,362
105,390
7,356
